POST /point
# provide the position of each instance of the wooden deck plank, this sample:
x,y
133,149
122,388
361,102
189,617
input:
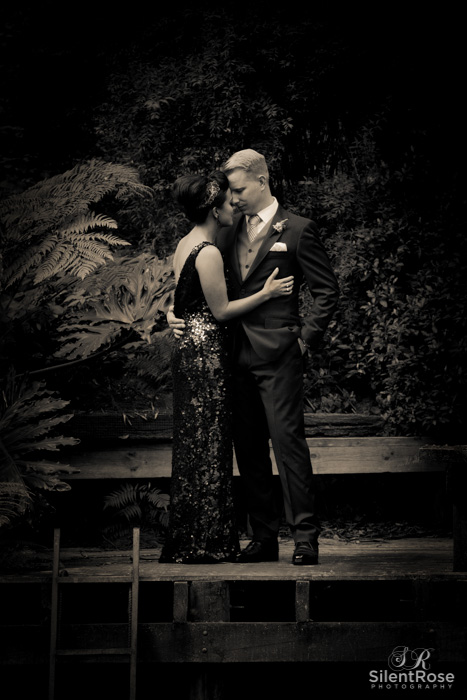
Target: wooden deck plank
x,y
339,561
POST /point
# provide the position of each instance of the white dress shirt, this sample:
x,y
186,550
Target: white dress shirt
x,y
266,214
247,250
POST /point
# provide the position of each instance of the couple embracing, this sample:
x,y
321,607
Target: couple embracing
x,y
238,365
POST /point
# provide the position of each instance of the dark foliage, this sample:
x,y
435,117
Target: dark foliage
x,y
361,120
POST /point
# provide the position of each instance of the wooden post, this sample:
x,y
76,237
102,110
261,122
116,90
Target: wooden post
x,y
302,601
209,601
180,605
134,602
54,614
454,459
457,476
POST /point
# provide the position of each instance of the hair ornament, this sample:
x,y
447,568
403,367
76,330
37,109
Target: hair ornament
x,y
212,190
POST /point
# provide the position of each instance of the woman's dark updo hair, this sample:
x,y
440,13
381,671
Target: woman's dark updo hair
x,y
198,194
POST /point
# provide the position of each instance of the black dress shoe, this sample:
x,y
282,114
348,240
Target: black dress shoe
x,y
305,554
256,551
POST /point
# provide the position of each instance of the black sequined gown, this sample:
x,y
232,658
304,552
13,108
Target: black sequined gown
x,y
202,526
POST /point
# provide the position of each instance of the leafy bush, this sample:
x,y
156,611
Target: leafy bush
x,y
119,312
397,344
129,295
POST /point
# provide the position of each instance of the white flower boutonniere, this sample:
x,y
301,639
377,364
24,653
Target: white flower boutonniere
x,y
280,226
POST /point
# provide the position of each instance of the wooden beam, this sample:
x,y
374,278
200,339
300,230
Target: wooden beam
x,y
251,642
150,426
344,455
270,642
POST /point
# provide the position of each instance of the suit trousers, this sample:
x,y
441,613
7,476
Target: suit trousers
x,y
268,403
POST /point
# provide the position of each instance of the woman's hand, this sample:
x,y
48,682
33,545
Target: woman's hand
x,y
278,288
177,325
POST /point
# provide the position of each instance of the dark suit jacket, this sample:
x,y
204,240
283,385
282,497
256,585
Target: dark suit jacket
x,y
276,324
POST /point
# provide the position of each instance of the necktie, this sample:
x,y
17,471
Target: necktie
x,y
252,228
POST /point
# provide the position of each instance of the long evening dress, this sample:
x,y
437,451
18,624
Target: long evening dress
x,y
202,527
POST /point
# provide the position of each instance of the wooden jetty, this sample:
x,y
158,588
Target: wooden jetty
x,y
123,619
361,602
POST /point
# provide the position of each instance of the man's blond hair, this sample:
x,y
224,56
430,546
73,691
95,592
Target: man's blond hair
x,y
249,160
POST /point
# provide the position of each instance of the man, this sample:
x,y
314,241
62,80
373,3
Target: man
x,y
269,344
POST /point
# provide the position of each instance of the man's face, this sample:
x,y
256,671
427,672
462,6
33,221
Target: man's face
x,y
247,191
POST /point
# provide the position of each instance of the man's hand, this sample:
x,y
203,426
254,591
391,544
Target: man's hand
x,y
176,324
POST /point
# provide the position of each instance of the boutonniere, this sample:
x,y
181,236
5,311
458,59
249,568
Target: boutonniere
x,y
280,226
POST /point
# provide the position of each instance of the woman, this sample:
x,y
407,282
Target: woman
x,y
202,526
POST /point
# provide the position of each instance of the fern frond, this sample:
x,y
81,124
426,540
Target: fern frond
x,y
20,267
132,512
75,253
158,499
59,258
46,483
56,211
151,364
107,238
14,501
28,404
140,503
29,432
73,192
87,221
45,467
52,444
28,415
127,493
117,530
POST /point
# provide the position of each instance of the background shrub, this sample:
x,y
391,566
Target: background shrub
x,y
361,123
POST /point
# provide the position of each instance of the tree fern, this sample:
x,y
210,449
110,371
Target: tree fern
x,y
52,227
49,203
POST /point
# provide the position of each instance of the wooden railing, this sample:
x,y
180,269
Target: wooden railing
x,y
125,447
140,447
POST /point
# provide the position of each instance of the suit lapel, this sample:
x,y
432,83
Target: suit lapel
x,y
232,248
